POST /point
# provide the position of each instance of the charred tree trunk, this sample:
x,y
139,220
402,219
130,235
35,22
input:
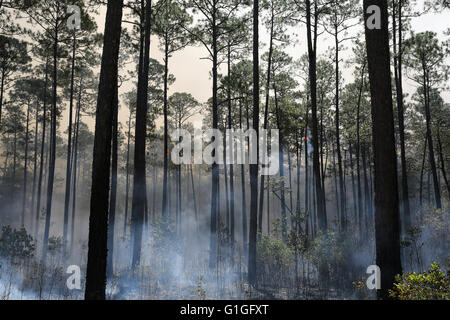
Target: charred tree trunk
x,y
387,227
75,168
266,115
25,168
215,168
69,151
127,184
41,165
254,167
426,90
98,220
51,167
441,158
398,52
35,151
113,195
139,185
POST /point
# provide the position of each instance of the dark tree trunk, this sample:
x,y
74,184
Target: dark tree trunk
x,y
2,89
166,134
426,90
244,196
358,151
398,52
441,158
127,184
387,227
194,197
35,151
113,195
225,176
139,185
343,220
312,46
421,171
230,126
51,167
254,167
215,168
281,162
69,151
367,203
75,168
355,208
290,180
41,166
25,168
98,220
266,115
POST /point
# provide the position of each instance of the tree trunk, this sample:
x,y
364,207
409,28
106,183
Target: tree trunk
x,y
398,52
426,90
113,195
254,167
387,227
75,167
51,167
41,166
230,126
343,221
312,46
266,115
281,162
2,89
69,151
215,168
194,198
166,125
139,185
421,171
98,220
355,208
441,158
358,151
35,151
127,186
244,199
25,168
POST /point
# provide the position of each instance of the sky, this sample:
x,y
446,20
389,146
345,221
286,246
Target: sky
x,y
192,73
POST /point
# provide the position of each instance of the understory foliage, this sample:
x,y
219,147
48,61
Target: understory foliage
x,y
16,243
433,284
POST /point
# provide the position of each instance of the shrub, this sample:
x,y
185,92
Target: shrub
x,y
274,253
16,243
433,284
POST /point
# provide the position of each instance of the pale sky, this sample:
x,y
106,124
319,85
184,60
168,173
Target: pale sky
x,y
192,72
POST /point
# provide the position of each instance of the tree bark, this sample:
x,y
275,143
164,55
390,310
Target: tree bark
x,y
139,183
41,166
25,168
69,151
98,220
387,227
113,195
254,167
51,168
398,52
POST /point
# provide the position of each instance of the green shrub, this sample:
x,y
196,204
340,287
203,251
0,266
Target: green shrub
x,y
433,284
273,252
16,243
